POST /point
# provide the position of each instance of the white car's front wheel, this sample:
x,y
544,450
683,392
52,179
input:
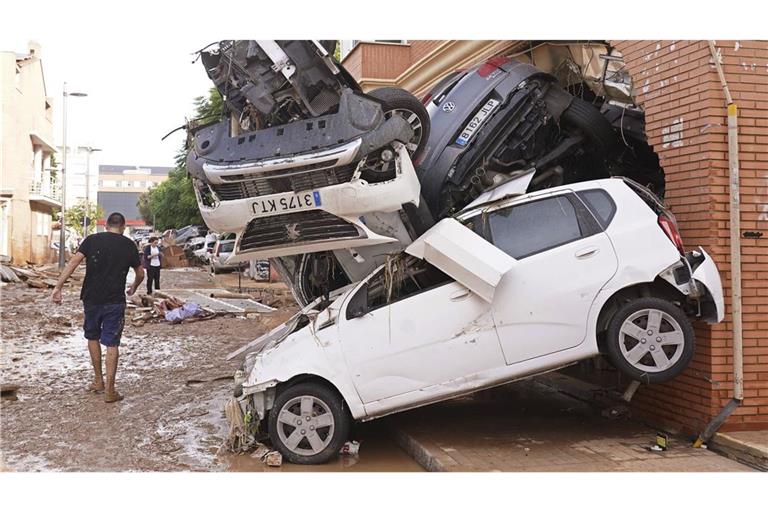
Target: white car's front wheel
x,y
308,423
650,340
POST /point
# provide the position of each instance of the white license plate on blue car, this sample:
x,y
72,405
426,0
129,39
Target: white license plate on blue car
x,y
476,122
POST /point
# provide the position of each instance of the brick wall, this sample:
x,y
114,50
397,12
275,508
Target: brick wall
x,y
679,89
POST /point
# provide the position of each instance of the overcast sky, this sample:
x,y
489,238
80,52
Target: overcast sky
x,y
140,82
134,59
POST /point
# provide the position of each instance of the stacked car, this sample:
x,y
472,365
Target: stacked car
x,y
478,229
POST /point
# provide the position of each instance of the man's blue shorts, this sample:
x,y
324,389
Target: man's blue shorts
x,y
104,322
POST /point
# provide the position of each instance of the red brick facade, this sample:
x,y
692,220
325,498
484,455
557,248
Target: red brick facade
x,y
677,85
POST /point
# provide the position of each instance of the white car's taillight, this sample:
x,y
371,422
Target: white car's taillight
x,y
669,227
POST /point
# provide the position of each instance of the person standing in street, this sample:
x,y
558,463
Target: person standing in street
x,y
108,256
152,259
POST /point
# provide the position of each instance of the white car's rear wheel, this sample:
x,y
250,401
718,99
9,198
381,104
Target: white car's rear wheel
x,y
308,424
650,340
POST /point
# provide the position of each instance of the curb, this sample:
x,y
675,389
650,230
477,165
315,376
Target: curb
x,y
740,451
418,452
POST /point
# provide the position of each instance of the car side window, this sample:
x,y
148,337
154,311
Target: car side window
x,y
402,276
533,227
601,204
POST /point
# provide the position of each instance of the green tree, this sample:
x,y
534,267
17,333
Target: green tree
x,y
172,204
75,215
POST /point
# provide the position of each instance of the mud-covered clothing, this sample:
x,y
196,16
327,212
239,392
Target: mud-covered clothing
x,y
104,322
108,256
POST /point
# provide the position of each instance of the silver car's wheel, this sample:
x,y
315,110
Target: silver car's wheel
x,y
414,121
308,423
651,340
305,425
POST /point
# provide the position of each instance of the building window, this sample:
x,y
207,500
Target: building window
x,y
110,183
138,184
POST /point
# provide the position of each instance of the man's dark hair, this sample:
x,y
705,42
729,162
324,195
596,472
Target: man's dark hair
x,y
152,239
115,220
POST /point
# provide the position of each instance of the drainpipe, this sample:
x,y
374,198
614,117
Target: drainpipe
x,y
735,232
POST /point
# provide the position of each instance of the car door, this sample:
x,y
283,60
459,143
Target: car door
x,y
439,331
563,260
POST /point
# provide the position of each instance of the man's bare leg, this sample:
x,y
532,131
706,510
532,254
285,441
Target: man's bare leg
x,y
98,377
112,357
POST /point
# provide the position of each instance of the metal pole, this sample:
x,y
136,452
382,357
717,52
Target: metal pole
x,y
87,189
62,235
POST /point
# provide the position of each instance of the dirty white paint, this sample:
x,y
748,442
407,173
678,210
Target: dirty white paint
x,y
749,67
736,48
445,342
672,135
663,84
672,48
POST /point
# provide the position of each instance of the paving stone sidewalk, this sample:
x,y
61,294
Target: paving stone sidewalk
x,y
526,426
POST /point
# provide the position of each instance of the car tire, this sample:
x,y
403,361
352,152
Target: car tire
x,y
330,422
650,340
398,100
585,117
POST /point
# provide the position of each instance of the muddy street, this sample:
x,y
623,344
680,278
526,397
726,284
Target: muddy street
x,y
174,377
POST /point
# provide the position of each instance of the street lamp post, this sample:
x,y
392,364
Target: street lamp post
x,y
86,225
62,225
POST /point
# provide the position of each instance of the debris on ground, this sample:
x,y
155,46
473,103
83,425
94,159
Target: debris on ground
x,y
274,459
350,448
260,452
40,276
238,439
615,412
8,391
192,305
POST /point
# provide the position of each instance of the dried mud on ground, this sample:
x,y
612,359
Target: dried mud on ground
x,y
174,377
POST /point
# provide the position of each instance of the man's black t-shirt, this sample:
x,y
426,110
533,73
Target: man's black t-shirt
x,y
108,257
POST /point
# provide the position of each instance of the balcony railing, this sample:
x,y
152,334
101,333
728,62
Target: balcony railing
x,y
47,187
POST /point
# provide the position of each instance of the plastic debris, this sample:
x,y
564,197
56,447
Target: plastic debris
x,y
274,459
350,448
260,452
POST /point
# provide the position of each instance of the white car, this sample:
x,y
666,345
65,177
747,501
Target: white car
x,y
312,217
515,285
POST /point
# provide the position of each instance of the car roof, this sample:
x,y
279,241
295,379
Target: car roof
x,y
509,193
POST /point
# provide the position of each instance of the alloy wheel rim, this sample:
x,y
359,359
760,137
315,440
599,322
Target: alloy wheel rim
x,y
651,340
415,123
305,425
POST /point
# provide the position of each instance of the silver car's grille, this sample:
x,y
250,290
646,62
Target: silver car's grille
x,y
292,228
287,180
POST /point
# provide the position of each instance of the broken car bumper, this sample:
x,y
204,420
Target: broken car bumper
x,y
312,220
705,274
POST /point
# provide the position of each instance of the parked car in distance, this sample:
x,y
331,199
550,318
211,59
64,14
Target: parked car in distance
x,y
222,250
515,285
182,235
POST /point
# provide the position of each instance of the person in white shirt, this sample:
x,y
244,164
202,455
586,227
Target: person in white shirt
x,y
152,262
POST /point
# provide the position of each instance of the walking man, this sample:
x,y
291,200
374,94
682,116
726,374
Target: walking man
x,y
152,260
108,256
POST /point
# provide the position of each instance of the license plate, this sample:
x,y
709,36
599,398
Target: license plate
x,y
476,122
287,203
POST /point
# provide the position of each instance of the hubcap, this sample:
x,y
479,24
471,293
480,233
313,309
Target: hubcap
x,y
305,425
651,340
